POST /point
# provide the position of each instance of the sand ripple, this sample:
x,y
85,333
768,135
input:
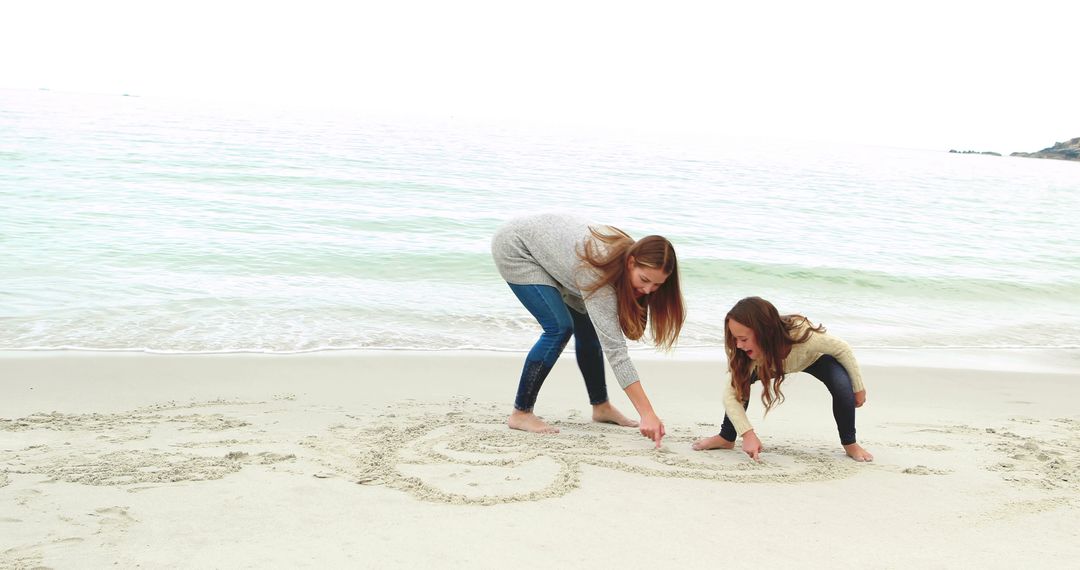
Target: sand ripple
x,y
151,415
107,460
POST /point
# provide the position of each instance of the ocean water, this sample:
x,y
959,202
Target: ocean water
x,y
131,223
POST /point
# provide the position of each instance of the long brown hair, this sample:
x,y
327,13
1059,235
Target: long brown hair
x,y
775,334
665,304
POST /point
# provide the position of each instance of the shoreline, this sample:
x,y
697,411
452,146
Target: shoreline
x,y
1016,359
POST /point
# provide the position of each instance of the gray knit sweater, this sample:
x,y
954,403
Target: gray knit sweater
x,y
543,250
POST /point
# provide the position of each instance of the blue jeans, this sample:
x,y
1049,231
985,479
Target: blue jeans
x,y
559,323
835,377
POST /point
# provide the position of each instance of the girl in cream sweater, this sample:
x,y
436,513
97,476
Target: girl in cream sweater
x,y
763,345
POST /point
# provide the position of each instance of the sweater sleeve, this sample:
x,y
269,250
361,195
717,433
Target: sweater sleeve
x,y
734,409
604,312
841,351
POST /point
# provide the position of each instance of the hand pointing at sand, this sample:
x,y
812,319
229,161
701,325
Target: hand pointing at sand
x,y
652,428
751,445
650,425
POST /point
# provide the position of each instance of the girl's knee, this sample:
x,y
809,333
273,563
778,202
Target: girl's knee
x,y
835,377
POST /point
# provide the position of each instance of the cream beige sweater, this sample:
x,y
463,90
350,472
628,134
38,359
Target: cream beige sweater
x,y
801,357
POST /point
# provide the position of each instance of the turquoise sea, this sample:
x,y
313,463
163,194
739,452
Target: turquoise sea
x,y
135,223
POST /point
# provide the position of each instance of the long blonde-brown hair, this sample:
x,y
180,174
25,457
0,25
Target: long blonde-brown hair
x,y
775,335
664,305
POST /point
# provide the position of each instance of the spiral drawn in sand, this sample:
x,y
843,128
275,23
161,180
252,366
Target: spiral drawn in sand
x,y
469,456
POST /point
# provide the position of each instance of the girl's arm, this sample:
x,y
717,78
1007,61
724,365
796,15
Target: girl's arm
x,y
751,445
841,351
734,409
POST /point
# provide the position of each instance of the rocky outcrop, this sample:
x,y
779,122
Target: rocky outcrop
x,y
975,152
1068,150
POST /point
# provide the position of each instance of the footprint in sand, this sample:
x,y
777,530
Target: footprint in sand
x,y
1050,461
27,557
924,470
113,519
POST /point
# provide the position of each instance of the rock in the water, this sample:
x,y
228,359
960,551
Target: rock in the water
x,y
1068,150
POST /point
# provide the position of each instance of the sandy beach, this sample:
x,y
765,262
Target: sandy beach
x,y
402,460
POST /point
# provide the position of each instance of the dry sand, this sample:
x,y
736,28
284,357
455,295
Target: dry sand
x,y
403,460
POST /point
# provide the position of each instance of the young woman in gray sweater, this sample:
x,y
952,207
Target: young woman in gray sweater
x,y
600,286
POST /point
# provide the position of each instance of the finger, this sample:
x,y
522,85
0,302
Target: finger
x,y
659,436
756,456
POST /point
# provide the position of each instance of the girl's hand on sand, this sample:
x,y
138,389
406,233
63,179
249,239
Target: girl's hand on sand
x,y
751,445
652,428
860,398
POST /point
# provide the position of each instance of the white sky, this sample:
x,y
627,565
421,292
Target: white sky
x,y
981,75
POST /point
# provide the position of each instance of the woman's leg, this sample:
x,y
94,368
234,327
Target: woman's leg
x,y
545,304
590,360
590,357
836,379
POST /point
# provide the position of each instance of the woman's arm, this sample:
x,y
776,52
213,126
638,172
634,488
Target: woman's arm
x,y
604,313
650,425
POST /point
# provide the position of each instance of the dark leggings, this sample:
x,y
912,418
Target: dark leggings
x,y
833,375
559,322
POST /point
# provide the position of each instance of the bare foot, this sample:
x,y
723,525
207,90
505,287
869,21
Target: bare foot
x,y
528,421
856,452
606,413
714,442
